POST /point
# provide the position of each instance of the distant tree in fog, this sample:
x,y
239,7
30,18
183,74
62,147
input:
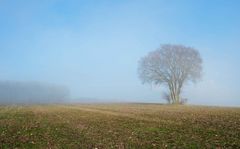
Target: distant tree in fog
x,y
31,92
173,66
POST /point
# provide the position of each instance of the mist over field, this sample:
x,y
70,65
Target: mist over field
x,y
93,49
119,74
12,92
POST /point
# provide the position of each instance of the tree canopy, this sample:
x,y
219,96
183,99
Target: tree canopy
x,y
173,66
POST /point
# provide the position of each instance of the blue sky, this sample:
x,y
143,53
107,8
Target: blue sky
x,y
93,46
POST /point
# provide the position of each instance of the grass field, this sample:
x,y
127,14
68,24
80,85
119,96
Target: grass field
x,y
119,126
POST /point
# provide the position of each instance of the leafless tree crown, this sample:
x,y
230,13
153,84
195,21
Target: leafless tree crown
x,y
171,65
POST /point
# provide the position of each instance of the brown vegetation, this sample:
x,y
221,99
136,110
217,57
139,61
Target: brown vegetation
x,y
119,126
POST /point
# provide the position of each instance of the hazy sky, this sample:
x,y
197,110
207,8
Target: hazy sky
x,y
93,47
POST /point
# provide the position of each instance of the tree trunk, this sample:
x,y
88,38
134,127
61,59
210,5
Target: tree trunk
x,y
174,91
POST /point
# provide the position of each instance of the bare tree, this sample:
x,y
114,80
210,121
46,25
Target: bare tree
x,y
173,66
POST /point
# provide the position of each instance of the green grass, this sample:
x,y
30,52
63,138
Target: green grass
x,y
119,126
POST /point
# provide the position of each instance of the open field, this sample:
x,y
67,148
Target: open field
x,y
119,126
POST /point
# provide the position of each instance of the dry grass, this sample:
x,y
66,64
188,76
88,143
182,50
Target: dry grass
x,y
119,126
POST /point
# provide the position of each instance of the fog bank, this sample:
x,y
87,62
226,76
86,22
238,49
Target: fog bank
x,y
13,92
